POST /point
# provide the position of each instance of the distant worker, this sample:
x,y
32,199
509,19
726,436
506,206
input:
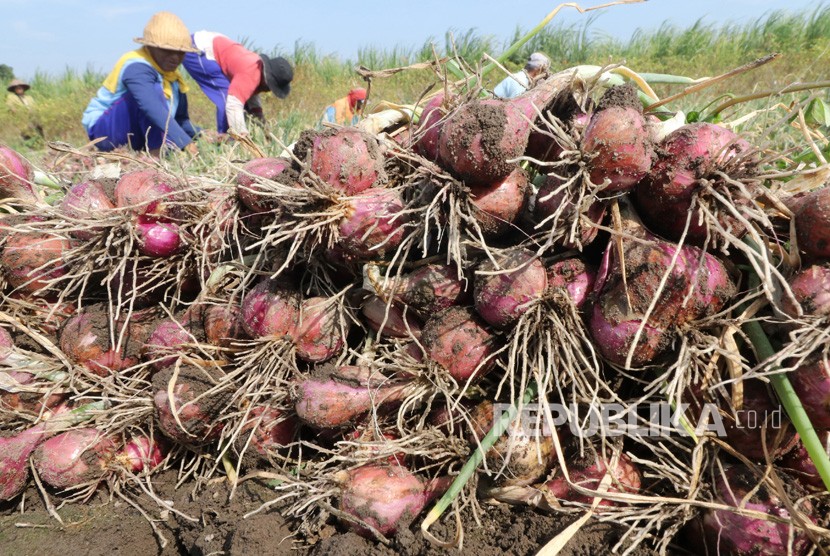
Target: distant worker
x,y
517,83
143,102
18,102
232,77
345,111
17,97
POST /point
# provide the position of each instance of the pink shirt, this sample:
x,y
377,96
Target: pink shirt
x,y
242,67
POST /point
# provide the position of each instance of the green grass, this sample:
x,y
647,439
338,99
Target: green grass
x,y
700,49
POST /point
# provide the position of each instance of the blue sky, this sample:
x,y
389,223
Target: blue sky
x,y
52,35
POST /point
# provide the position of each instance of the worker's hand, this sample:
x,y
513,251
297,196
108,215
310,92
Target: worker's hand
x,y
192,149
213,137
257,114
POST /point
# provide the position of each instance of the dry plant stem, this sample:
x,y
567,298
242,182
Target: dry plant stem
x,y
794,88
469,468
712,81
784,390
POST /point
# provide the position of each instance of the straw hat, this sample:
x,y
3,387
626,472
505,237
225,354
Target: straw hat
x,y
166,30
17,83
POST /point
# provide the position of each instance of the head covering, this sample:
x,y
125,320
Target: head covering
x,y
17,83
278,75
537,61
356,94
166,30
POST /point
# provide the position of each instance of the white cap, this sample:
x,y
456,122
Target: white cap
x,y
537,61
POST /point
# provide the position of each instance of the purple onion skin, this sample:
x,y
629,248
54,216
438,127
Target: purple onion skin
x,y
327,401
270,309
86,200
544,148
269,429
387,497
698,285
16,175
200,424
192,416
614,338
31,259
432,288
391,320
811,381
574,277
811,289
549,200
429,128
74,457
347,159
670,217
6,344
499,205
745,431
249,191
87,343
223,324
589,474
142,453
812,221
726,532
476,143
157,238
148,193
373,225
797,462
618,148
502,298
688,155
319,334
166,339
14,457
460,342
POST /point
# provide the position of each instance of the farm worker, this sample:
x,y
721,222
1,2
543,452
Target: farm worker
x,y
17,97
516,83
344,111
232,77
17,101
143,101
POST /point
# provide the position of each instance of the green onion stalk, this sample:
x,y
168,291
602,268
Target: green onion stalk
x,y
784,389
468,470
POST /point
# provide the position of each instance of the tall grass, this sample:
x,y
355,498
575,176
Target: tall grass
x,y
699,49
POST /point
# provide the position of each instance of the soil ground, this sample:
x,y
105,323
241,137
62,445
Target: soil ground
x,y
111,526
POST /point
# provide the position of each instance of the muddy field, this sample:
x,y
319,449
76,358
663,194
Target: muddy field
x,y
110,525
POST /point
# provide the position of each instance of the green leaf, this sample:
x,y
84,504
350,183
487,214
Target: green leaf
x,y
817,113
